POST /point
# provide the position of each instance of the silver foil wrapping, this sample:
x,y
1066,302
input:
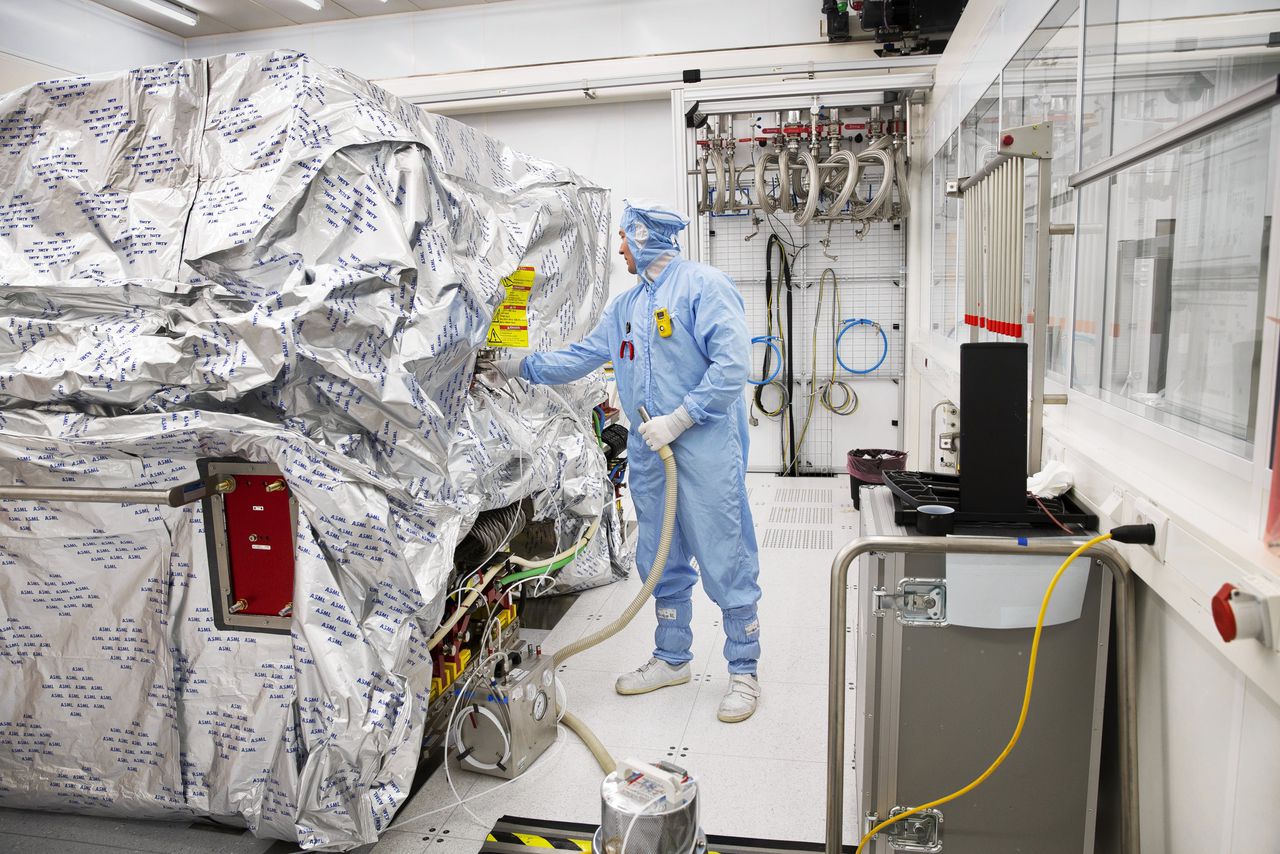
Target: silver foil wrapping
x,y
258,256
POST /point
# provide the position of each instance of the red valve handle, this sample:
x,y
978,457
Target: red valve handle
x,y
1223,615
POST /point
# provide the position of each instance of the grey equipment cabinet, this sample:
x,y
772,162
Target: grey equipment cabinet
x,y
937,702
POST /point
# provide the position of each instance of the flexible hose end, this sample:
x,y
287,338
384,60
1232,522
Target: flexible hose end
x,y
665,451
1144,535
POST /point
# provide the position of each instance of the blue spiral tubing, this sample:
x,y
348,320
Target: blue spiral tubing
x,y
852,322
771,341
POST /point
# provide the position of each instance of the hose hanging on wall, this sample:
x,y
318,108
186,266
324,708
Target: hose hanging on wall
x,y
767,204
778,349
810,206
900,178
785,202
853,323
721,191
852,175
849,402
704,185
784,279
771,342
878,153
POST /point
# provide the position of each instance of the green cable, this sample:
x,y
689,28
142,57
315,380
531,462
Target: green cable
x,y
541,570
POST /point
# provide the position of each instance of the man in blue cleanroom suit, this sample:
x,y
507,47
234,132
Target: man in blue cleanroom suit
x,y
691,381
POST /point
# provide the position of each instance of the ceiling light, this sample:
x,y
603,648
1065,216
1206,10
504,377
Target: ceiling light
x,y
171,10
314,4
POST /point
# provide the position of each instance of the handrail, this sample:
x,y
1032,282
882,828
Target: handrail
x,y
1214,119
964,184
1058,546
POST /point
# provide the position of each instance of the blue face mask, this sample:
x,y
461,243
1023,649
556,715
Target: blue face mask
x,y
651,233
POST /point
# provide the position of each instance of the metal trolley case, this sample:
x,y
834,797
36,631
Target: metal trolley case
x,y
937,702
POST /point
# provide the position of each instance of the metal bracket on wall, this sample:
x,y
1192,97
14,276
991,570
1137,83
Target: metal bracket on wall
x,y
920,832
918,602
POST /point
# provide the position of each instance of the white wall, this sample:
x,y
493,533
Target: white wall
x,y
16,72
625,147
1209,712
79,37
524,32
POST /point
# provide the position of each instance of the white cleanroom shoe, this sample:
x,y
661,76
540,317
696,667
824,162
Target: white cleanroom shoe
x,y
652,676
740,703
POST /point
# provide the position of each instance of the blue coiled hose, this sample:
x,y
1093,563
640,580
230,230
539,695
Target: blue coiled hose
x,y
853,322
771,342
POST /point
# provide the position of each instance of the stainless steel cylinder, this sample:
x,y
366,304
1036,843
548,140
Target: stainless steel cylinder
x,y
668,826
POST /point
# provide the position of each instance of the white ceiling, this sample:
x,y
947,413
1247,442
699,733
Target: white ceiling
x,y
230,16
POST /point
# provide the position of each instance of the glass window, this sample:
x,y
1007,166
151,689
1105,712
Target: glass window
x,y
944,292
1039,84
974,142
1172,254
980,130
1152,64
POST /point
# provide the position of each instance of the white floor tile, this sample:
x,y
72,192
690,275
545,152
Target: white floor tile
x,y
789,724
653,720
794,654
404,842
764,798
790,603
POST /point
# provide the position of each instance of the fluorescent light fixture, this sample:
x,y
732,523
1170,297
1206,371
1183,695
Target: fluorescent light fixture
x,y
313,4
171,10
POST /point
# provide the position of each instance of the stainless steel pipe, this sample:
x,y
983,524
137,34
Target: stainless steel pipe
x,y
176,497
1040,319
92,495
1126,676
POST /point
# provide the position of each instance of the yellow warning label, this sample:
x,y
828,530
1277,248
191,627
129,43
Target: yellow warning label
x,y
510,327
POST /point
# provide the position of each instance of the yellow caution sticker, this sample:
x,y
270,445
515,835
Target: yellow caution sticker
x,y
510,327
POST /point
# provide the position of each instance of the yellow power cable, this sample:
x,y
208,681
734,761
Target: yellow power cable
x,y
850,404
1022,716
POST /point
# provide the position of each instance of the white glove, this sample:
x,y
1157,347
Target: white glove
x,y
664,429
504,363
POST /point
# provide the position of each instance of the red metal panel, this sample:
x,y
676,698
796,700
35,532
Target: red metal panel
x,y
260,544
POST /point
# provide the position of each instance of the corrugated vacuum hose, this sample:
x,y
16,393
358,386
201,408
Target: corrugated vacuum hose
x,y
598,750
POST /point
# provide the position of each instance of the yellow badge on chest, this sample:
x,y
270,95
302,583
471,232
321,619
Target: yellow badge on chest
x,y
663,318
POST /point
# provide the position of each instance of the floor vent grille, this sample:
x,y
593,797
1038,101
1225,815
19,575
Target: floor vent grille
x,y
797,539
